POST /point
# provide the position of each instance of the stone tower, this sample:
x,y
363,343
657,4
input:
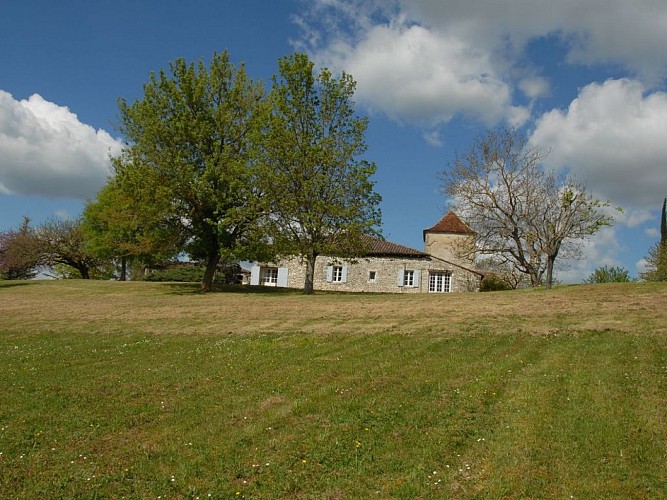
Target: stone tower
x,y
446,239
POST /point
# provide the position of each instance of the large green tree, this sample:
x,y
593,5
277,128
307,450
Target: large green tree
x,y
320,194
190,138
522,214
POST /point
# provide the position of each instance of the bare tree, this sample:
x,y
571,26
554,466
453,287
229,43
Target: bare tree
x,y
523,215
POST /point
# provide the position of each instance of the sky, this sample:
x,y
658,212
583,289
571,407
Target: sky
x,y
584,79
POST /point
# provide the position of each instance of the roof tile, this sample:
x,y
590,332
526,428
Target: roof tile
x,y
450,223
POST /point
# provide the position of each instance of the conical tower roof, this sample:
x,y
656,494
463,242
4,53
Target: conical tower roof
x,y
449,224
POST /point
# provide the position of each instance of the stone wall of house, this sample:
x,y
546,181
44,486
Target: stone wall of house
x,y
449,247
384,270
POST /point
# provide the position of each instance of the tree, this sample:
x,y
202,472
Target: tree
x,y
126,228
521,213
19,252
609,274
63,242
656,260
319,193
191,142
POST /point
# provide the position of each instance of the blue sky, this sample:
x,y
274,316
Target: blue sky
x,y
585,78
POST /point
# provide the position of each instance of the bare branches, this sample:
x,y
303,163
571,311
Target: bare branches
x,y
519,211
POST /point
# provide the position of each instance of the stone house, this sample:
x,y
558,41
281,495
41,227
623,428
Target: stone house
x,y
386,267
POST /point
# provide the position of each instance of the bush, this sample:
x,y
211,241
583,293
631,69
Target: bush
x,y
494,283
192,272
176,272
608,274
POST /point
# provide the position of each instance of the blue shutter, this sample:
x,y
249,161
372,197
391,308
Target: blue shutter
x,y
343,278
282,277
415,283
329,274
401,277
254,275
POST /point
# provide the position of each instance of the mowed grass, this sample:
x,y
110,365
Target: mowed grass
x,y
154,390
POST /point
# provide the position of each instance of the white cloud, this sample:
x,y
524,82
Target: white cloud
x,y
632,34
641,266
612,136
433,138
414,74
45,150
534,87
425,61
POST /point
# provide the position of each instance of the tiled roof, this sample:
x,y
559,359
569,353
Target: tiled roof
x,y
378,246
450,223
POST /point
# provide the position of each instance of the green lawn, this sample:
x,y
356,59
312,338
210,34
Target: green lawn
x,y
154,390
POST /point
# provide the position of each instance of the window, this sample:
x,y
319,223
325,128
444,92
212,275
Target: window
x,y
336,274
270,276
408,278
372,275
439,282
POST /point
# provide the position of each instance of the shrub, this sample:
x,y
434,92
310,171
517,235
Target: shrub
x,y
494,283
609,274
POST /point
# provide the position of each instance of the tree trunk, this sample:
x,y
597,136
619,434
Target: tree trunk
x,y
209,274
85,273
123,268
309,285
534,277
550,272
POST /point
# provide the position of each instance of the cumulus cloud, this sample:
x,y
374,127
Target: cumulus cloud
x,y
45,150
425,61
612,136
413,74
632,34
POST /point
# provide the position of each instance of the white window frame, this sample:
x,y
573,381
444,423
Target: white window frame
x,y
337,276
440,282
409,278
269,276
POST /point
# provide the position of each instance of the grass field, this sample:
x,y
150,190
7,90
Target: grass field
x,y
144,390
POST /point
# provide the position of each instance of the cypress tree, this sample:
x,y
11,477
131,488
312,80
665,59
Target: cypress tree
x,y
663,224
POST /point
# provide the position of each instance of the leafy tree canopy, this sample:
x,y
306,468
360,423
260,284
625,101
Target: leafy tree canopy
x,y
319,191
609,274
190,158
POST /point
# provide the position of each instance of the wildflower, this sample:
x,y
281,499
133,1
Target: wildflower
x,y
357,444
